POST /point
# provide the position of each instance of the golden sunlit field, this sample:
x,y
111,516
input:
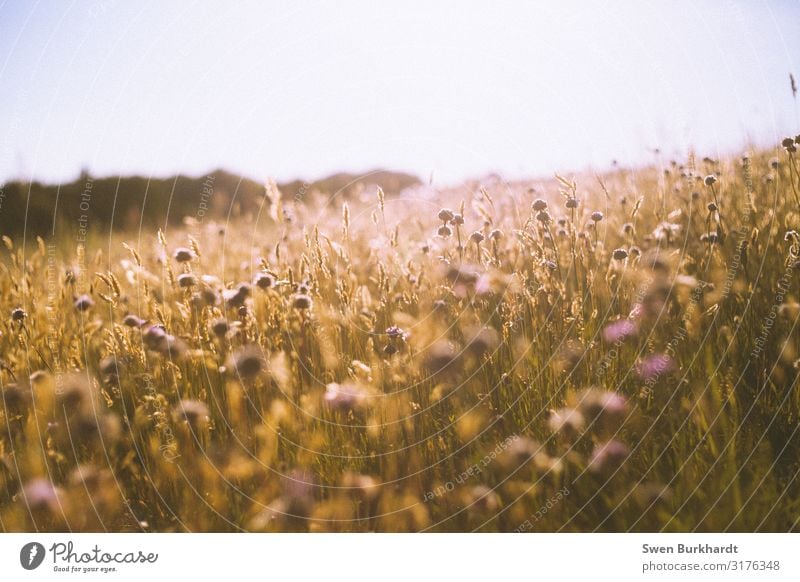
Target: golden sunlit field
x,y
592,353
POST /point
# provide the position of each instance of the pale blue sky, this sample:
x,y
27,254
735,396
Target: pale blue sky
x,y
303,89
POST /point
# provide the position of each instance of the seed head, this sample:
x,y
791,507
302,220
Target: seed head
x,y
620,254
193,412
444,231
75,394
186,280
446,215
567,421
608,455
84,303
133,321
344,397
220,327
154,336
301,301
248,361
235,298
18,314
710,180
597,216
42,495
539,205
572,203
476,237
183,255
264,281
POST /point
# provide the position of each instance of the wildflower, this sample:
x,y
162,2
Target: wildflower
x,y
235,298
458,219
567,421
482,340
619,330
596,216
496,234
154,336
264,281
446,215
440,357
394,332
539,205
42,496
620,254
712,207
209,296
710,180
75,394
518,451
15,399
544,217
476,237
220,327
186,280
133,321
18,314
172,347
571,203
91,428
444,231
193,412
301,301
363,487
84,303
655,366
110,369
344,397
482,499
601,405
608,455
248,361
183,255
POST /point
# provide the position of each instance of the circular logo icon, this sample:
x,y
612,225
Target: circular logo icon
x,y
31,555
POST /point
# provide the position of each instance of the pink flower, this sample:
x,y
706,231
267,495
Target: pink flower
x,y
610,454
619,331
655,366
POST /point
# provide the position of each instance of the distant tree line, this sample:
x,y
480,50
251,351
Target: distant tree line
x,y
124,203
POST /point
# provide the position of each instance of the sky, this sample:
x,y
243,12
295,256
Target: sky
x,y
444,89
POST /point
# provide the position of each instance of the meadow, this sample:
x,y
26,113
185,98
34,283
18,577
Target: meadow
x,y
614,352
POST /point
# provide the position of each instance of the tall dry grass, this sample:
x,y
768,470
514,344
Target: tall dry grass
x,y
606,353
